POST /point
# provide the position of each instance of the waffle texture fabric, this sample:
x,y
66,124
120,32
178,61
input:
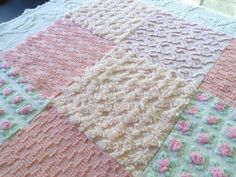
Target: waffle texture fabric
x,y
50,147
19,102
34,20
184,48
113,20
203,142
197,14
221,80
52,58
127,106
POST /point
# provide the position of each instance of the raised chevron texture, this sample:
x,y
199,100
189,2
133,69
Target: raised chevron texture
x,y
34,20
19,102
203,142
197,14
50,147
187,49
221,80
52,58
127,106
113,20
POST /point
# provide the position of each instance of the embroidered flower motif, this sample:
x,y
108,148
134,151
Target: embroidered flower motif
x,y
186,174
184,126
218,172
6,125
164,165
220,106
26,110
193,110
226,150
7,91
197,158
175,145
2,82
202,97
204,138
212,120
17,100
231,132
31,88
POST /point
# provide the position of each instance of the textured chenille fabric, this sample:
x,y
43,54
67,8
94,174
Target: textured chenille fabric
x,y
125,105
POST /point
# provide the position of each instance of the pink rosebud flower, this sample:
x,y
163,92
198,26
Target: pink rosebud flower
x,y
2,82
197,158
226,150
26,110
204,138
220,106
231,132
6,125
5,66
193,110
164,165
175,145
17,100
202,97
13,74
7,91
218,172
31,88
212,120
186,174
184,126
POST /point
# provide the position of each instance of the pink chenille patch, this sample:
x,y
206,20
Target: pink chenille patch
x,y
51,59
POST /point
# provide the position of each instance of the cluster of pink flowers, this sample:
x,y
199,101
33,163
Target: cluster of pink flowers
x,y
184,126
17,100
226,150
164,165
6,125
197,158
218,172
202,97
26,110
220,106
212,120
193,110
231,132
204,138
7,91
175,145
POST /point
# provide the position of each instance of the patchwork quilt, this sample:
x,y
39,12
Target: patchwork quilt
x,y
118,88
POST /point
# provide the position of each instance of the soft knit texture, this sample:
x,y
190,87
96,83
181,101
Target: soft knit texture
x,y
221,80
34,20
113,20
203,142
51,59
19,102
185,48
127,106
51,147
197,14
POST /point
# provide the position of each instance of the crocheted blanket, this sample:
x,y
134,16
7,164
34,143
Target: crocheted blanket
x,y
118,88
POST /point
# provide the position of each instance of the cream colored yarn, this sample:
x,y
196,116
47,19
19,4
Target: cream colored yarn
x,y
127,106
112,19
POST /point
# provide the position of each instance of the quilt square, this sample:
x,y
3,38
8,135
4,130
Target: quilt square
x,y
221,80
52,146
111,20
184,48
19,102
125,105
203,142
51,59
